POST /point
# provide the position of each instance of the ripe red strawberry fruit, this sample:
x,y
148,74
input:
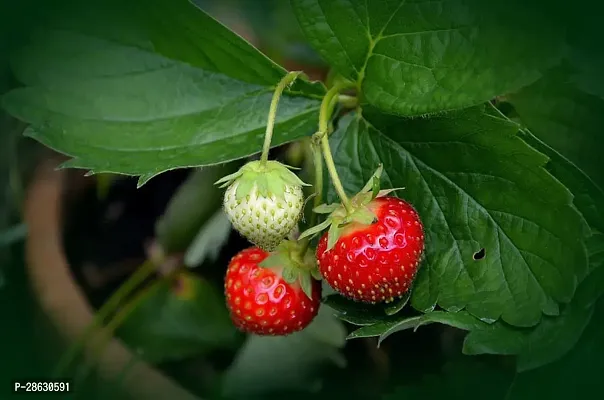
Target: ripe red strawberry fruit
x,y
375,262
262,302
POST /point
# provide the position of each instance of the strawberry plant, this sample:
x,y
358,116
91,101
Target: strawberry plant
x,y
448,167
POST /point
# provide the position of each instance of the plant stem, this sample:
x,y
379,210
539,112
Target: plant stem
x,y
272,113
327,106
333,173
145,270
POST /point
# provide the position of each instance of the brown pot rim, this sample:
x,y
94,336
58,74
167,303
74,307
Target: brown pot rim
x,y
63,301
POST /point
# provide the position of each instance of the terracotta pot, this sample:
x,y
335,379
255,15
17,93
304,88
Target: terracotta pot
x,y
63,301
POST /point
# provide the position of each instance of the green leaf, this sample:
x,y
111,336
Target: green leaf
x,y
398,304
299,358
554,336
475,185
209,241
383,329
140,90
566,118
186,319
418,57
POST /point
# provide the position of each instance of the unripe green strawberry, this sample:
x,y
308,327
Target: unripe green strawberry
x,y
263,202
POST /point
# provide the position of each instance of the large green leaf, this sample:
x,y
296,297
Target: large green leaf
x,y
576,375
413,57
554,336
565,117
476,185
186,319
141,88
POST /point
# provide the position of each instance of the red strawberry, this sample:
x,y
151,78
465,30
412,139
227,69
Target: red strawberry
x,y
262,302
375,262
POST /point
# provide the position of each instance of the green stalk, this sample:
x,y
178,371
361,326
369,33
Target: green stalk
x,y
272,113
333,173
325,114
145,270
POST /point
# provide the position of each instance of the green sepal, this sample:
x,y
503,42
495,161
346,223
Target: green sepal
x,y
311,232
228,179
364,216
305,280
326,208
361,199
290,275
370,183
274,260
243,189
376,187
386,192
333,235
316,274
270,179
274,188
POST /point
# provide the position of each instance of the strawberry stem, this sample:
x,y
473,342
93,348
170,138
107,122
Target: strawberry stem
x,y
287,80
327,106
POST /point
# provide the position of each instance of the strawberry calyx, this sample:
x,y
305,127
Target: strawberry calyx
x,y
294,267
270,178
359,212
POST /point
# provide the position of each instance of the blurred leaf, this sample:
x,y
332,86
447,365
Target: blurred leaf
x,y
185,319
194,203
566,118
13,234
418,57
268,364
209,241
140,87
476,185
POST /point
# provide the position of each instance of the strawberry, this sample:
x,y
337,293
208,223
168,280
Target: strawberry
x,y
376,262
263,202
373,248
272,294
